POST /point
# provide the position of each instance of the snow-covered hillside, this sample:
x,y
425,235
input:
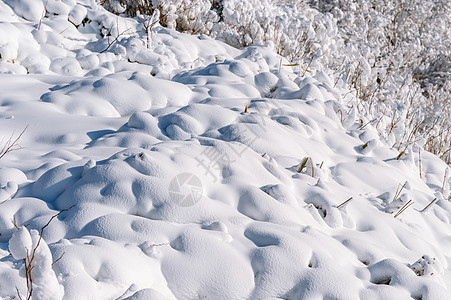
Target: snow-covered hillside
x,y
174,166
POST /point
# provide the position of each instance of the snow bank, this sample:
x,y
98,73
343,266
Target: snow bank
x,y
293,194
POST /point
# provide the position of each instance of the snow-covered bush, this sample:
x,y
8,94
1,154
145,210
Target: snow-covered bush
x,y
192,16
41,281
397,56
393,54
281,25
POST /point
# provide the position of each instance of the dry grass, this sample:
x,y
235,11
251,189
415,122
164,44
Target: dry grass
x,y
404,207
344,203
303,164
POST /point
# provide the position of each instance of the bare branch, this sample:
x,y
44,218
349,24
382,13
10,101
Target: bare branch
x,y
44,227
344,202
58,259
115,39
11,144
18,293
28,261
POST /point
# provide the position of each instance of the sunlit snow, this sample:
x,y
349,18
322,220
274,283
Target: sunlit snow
x,y
191,169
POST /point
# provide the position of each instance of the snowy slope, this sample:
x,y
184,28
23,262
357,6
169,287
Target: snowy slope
x,y
182,166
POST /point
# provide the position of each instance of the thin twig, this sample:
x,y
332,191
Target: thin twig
x,y
398,191
44,227
28,268
18,293
404,207
12,145
115,39
14,222
159,245
58,259
313,169
344,202
430,203
148,25
419,161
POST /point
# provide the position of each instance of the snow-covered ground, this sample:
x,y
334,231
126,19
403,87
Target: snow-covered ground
x,y
188,169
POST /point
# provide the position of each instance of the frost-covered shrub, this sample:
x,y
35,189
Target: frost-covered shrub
x,y
292,28
393,55
397,55
192,16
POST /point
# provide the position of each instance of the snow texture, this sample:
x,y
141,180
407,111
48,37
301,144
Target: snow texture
x,y
293,193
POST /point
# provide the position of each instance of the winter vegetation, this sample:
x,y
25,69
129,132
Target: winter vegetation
x,y
394,56
225,149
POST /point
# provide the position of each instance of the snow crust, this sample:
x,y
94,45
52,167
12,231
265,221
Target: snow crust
x,y
111,125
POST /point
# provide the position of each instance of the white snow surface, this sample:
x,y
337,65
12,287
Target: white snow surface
x,y
110,127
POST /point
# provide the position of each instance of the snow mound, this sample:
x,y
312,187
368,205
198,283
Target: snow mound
x,y
114,95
